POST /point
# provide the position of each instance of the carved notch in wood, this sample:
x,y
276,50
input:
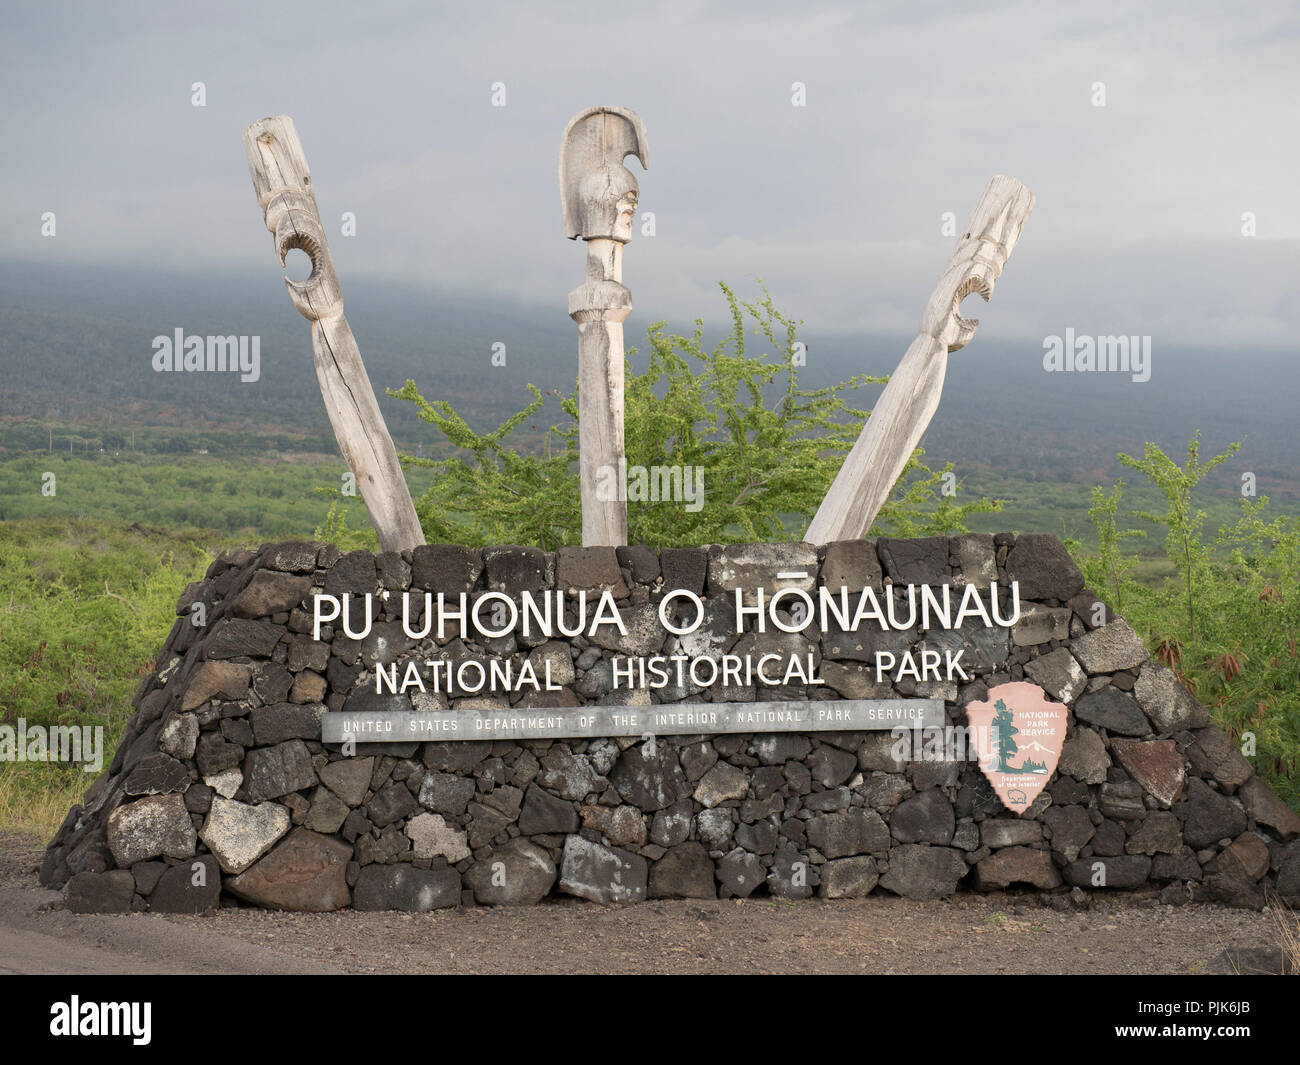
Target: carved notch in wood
x,y
284,191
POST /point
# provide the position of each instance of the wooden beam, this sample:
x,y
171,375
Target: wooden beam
x,y
909,401
284,191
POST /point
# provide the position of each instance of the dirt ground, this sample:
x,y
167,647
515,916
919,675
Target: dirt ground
x,y
966,934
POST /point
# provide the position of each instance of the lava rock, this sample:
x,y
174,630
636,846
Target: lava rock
x,y
286,721
853,832
1167,703
1059,674
404,887
848,878
1267,808
191,887
1017,865
739,872
238,834
349,779
270,772
921,561
591,569
445,568
1160,833
149,828
305,873
432,837
924,818
1071,829
1111,709
601,874
650,781
853,565
216,680
1155,764
1009,832
622,826
268,593
1044,568
724,781
920,872
684,872
106,892
1214,754
1112,647
1084,757
541,814
157,774
520,873
1209,816
391,803
1120,872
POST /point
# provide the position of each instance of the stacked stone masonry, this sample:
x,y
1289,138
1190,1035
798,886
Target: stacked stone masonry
x,y
222,794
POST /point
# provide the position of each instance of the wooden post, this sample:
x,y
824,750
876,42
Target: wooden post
x,y
600,198
284,191
910,399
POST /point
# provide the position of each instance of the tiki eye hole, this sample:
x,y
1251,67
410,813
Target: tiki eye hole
x,y
298,264
302,250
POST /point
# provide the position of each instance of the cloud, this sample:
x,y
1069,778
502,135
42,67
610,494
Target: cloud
x,y
837,205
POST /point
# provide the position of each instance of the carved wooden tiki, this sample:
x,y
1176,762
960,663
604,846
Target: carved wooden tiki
x,y
600,198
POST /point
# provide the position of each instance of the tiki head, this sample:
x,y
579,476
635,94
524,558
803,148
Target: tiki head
x,y
977,262
599,193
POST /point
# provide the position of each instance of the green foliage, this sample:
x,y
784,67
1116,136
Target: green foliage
x,y
1227,613
1183,522
922,506
1112,567
84,607
335,529
277,498
767,450
497,496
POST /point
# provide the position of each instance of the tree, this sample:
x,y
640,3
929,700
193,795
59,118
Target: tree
x,y
1104,514
765,448
1003,730
1183,543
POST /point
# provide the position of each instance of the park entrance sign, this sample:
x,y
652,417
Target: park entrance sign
x,y
701,632
435,724
328,729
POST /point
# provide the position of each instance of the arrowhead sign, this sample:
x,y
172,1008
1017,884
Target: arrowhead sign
x,y
1020,733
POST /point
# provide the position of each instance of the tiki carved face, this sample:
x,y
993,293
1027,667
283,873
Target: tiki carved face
x,y
598,192
609,196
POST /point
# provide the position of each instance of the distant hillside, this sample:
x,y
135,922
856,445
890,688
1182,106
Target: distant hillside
x,y
76,348
75,351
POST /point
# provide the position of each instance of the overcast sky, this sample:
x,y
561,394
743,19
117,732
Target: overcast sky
x,y
838,205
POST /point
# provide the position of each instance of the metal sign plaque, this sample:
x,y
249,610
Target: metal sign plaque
x,y
664,719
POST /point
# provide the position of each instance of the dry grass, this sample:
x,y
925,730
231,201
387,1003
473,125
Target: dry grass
x,y
34,799
1287,924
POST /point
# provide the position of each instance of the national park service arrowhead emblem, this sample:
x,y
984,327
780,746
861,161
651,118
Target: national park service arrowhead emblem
x,y
1019,737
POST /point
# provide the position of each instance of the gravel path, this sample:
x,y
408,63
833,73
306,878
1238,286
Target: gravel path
x,y
966,934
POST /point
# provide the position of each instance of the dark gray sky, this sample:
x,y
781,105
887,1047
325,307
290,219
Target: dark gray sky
x,y
911,107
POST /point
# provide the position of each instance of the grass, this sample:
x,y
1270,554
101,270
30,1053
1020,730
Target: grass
x,y
276,498
1287,930
35,799
84,607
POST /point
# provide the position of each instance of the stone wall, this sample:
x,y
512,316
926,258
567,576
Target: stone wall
x,y
221,792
